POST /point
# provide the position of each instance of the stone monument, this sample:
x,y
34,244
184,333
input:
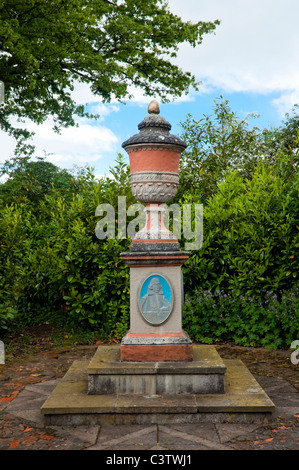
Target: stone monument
x,y
156,338
155,259
156,374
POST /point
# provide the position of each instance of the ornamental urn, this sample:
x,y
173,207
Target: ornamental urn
x,y
154,156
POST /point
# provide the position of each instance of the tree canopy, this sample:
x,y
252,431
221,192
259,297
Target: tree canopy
x,y
30,181
49,45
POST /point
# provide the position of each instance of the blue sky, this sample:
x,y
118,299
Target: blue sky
x,y
252,60
125,121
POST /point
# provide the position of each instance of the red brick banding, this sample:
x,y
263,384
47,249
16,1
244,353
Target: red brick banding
x,y
154,160
156,353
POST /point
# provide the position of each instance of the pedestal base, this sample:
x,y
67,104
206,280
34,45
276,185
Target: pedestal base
x,y
205,374
152,347
244,400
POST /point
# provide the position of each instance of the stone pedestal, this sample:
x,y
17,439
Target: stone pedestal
x,y
156,281
155,259
156,347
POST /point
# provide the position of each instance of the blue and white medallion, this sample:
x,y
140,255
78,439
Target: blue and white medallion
x,y
155,299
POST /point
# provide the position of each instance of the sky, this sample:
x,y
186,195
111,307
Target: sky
x,y
252,61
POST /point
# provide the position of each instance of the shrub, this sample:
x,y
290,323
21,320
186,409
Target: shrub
x,y
250,239
53,266
243,319
240,286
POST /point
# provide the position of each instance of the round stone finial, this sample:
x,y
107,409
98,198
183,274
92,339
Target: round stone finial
x,y
153,107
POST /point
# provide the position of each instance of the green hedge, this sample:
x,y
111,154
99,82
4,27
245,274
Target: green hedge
x,y
250,236
53,268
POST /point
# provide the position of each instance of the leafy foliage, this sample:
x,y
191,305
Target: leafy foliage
x,y
30,181
284,138
223,141
250,235
216,143
54,267
48,46
243,319
240,286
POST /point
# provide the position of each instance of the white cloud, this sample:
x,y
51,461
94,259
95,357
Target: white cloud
x,y
285,102
140,99
99,176
255,49
80,145
82,94
3,178
75,145
7,146
102,109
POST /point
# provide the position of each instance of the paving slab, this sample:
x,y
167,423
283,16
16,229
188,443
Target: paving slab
x,y
179,439
281,434
22,425
228,431
126,437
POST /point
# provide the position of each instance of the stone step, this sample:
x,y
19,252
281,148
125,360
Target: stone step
x,y
244,401
107,374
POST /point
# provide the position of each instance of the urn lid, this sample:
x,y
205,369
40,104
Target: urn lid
x,y
154,129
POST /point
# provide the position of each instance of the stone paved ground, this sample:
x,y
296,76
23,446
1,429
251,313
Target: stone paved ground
x,y
26,382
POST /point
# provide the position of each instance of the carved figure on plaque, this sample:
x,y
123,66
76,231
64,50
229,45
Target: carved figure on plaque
x,y
155,299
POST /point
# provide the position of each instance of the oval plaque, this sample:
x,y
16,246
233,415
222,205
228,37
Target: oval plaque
x,y
155,299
